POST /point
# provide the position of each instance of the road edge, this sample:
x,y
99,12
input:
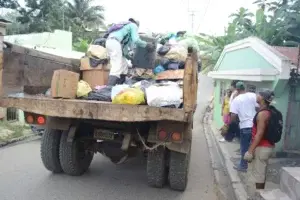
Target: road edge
x,y
19,139
217,174
236,182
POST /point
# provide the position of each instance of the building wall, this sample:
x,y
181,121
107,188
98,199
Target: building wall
x,y
237,60
59,39
281,98
219,84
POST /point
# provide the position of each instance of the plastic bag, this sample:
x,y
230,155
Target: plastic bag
x,y
143,85
160,96
117,89
163,50
102,94
177,53
158,69
83,89
132,96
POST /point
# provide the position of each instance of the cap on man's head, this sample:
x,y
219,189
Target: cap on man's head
x,y
267,95
134,21
240,85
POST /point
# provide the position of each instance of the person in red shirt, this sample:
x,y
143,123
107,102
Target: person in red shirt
x,y
260,149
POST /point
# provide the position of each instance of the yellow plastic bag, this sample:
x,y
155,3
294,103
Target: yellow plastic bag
x,y
83,89
132,96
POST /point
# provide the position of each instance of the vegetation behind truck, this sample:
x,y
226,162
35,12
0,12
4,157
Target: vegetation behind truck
x,y
75,130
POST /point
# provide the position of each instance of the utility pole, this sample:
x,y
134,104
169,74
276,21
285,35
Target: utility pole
x,y
192,13
192,21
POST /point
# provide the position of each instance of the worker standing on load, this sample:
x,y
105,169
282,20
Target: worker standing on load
x,y
121,38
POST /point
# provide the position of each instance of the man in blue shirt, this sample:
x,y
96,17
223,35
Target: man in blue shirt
x,y
118,45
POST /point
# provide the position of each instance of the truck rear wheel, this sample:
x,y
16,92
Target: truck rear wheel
x,y
156,167
50,150
178,170
74,158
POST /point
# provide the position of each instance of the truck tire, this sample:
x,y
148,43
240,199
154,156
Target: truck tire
x,y
156,167
178,170
50,150
75,160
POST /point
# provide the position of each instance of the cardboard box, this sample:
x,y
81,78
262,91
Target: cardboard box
x,y
85,65
95,77
64,84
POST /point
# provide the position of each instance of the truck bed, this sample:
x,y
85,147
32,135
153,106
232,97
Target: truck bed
x,y
30,71
77,108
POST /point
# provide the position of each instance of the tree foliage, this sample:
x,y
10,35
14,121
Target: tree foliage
x,y
277,22
78,16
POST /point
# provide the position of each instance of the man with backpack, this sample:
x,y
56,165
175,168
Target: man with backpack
x,y
120,39
266,131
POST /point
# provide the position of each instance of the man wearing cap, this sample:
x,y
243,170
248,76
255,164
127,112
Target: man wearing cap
x,y
118,44
260,149
244,107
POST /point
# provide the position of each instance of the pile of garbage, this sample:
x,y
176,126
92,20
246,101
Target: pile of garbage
x,y
159,86
150,92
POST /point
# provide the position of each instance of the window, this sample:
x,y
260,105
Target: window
x,y
12,114
251,88
222,91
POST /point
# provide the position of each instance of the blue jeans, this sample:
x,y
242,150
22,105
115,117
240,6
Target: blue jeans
x,y
245,140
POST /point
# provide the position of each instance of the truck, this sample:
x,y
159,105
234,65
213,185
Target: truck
x,y
77,129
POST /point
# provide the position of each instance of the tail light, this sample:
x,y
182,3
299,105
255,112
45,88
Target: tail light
x,y
32,118
162,135
29,119
176,136
41,120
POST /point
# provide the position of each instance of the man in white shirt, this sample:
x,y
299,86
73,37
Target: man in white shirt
x,y
243,107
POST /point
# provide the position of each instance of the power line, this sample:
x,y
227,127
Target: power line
x,y
205,11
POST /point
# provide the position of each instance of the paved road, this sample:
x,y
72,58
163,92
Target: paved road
x,y
23,177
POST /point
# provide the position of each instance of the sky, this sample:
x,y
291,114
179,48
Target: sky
x,y
211,16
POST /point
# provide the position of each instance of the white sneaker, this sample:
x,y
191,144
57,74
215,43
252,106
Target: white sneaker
x,y
222,140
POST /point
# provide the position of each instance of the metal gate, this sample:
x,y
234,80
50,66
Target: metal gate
x,y
292,128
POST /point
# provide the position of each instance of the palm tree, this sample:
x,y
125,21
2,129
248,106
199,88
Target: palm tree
x,y
274,30
263,4
211,47
242,18
85,16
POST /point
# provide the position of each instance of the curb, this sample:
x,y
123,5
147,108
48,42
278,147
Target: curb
x,y
220,193
238,187
16,140
223,190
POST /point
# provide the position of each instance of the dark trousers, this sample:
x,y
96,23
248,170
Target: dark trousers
x,y
233,131
245,140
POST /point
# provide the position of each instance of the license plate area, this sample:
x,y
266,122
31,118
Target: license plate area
x,y
102,134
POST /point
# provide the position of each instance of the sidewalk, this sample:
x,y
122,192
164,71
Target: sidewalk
x,y
230,156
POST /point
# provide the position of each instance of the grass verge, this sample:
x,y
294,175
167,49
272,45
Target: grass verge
x,y
17,130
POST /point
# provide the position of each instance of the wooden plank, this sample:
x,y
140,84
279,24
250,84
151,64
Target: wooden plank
x,y
171,74
93,109
190,84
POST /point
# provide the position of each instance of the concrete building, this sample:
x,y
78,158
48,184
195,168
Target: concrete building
x,y
262,66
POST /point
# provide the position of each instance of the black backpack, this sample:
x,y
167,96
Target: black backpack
x,y
275,126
